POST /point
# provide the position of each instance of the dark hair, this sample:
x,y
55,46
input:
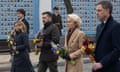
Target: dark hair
x,y
48,13
56,8
22,11
106,5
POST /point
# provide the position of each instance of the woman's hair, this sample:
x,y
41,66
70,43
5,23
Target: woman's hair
x,y
21,26
76,19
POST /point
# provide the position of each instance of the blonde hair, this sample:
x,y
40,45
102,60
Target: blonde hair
x,y
76,19
21,26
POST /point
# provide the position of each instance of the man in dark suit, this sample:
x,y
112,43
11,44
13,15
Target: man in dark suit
x,y
107,52
21,17
57,20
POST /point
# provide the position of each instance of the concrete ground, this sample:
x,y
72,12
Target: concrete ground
x,y
5,65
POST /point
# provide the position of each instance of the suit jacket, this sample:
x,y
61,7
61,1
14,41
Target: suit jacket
x,y
107,50
27,24
73,47
50,34
57,19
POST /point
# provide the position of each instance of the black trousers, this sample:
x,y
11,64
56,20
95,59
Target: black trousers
x,y
42,67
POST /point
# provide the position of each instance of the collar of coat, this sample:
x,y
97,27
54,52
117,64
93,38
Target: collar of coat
x,y
110,19
74,34
47,24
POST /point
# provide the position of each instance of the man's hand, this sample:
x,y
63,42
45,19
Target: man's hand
x,y
14,48
97,66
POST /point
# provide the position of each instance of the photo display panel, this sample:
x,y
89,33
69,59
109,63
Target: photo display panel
x,y
8,15
86,10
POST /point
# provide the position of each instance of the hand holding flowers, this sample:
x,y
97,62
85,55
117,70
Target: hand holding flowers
x,y
11,42
38,41
62,52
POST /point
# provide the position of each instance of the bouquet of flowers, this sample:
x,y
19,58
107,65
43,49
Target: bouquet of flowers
x,y
60,51
11,41
57,49
38,39
88,48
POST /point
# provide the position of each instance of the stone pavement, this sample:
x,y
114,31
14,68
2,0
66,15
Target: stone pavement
x,y
5,64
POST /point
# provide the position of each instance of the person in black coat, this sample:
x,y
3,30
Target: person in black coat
x,y
21,17
57,19
21,61
50,34
107,52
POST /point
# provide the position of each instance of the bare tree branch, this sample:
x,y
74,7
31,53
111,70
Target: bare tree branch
x,y
68,6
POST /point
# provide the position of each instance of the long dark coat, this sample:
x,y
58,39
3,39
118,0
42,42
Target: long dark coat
x,y
21,61
107,50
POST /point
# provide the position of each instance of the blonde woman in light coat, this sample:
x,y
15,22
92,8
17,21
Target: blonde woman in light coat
x,y
73,41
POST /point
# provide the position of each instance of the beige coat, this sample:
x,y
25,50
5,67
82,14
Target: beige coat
x,y
73,48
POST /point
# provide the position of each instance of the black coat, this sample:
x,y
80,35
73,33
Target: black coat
x,y
107,49
27,24
57,19
21,61
50,33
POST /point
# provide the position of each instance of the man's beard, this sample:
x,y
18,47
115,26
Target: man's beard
x,y
44,22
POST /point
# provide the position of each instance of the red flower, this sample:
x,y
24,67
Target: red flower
x,y
87,51
86,41
88,45
12,35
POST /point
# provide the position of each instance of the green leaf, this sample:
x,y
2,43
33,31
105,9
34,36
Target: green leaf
x,y
73,62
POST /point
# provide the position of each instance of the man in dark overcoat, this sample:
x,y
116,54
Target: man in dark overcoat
x,y
107,52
